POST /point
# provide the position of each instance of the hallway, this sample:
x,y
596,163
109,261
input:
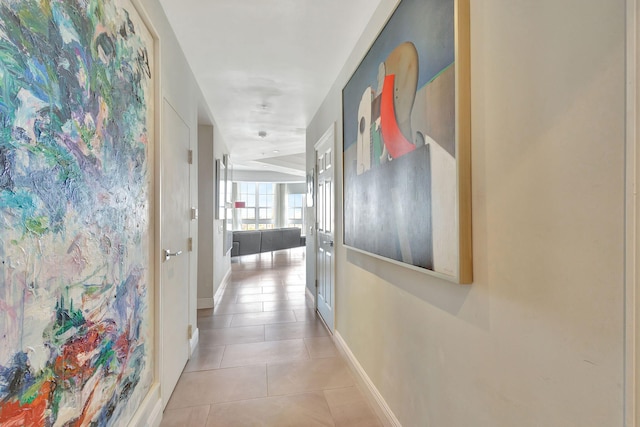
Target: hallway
x,y
264,358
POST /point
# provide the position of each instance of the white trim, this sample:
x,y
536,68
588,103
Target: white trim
x,y
149,414
632,238
380,406
193,341
221,289
328,139
205,303
310,296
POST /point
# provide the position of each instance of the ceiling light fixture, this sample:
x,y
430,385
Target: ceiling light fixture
x,y
262,134
276,151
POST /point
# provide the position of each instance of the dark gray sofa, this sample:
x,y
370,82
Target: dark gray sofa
x,y
254,242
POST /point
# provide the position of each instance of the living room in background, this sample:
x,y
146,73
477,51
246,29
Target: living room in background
x,y
295,203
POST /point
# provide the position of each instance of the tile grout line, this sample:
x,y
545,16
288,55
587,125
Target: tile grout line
x,y
222,358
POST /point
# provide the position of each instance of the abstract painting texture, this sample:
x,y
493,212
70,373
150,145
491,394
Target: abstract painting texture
x,y
400,142
76,132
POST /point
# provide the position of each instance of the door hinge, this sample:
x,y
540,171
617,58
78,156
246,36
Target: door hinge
x,y
190,332
190,244
190,157
316,283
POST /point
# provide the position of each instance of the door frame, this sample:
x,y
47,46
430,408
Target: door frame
x,y
632,219
328,135
158,255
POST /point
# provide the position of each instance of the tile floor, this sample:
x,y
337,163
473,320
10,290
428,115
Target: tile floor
x,y
265,359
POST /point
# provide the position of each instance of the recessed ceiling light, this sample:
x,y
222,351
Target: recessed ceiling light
x,y
276,151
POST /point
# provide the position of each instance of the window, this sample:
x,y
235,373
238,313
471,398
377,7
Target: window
x,y
258,213
295,210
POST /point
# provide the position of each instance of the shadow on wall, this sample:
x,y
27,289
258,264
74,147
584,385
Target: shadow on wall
x,y
446,296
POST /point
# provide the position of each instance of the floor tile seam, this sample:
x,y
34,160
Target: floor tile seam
x,y
226,368
240,342
265,342
369,402
257,398
265,324
286,339
266,373
293,341
325,357
188,407
326,401
234,327
222,358
254,364
221,403
309,390
307,347
310,359
267,362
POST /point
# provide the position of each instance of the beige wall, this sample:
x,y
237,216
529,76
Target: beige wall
x,y
538,339
206,188
213,263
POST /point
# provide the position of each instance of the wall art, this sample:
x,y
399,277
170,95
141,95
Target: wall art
x,y
406,124
76,174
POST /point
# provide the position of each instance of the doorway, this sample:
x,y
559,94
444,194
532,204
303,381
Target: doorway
x,y
325,224
174,256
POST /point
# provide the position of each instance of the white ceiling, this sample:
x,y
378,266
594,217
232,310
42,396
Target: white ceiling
x,y
266,65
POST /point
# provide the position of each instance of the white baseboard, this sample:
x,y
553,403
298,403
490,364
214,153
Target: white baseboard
x,y
205,303
149,414
211,302
310,296
193,341
380,406
222,287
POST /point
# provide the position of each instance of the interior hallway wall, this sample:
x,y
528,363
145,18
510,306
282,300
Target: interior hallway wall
x,y
221,260
213,263
207,207
538,338
180,89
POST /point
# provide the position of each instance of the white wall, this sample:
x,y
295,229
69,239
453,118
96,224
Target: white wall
x,y
206,199
180,89
538,338
221,261
213,263
264,176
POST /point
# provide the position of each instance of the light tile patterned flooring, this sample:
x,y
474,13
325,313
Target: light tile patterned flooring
x,y
265,359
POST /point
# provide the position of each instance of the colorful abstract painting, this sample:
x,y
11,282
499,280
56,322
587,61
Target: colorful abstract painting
x,y
403,146
76,132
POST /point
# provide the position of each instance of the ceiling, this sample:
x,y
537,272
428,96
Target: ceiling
x,y
266,66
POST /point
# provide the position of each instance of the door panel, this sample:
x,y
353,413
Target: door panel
x,y
175,216
325,236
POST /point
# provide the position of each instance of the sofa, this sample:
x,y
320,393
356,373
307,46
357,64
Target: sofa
x,y
258,241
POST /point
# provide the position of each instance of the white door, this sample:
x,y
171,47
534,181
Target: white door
x,y
325,292
175,217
